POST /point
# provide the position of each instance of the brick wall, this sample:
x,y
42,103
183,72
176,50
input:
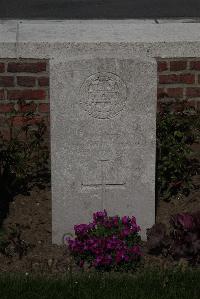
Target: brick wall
x,y
28,80
179,79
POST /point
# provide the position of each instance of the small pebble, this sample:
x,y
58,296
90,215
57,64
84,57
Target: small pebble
x,y
50,262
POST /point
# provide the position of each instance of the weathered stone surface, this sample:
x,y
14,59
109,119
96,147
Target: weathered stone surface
x,y
103,104
103,134
8,37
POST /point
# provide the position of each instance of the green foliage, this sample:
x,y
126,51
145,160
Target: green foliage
x,y
176,162
24,157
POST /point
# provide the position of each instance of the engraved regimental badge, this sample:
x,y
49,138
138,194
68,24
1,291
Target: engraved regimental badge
x,y
103,95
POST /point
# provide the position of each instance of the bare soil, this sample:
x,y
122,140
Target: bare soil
x,y
33,213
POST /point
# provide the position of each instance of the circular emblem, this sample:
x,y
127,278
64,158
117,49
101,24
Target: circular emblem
x,y
103,95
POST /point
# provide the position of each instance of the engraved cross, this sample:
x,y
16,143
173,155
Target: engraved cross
x,y
103,182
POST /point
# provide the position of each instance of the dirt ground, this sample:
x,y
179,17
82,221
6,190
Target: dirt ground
x,y
33,213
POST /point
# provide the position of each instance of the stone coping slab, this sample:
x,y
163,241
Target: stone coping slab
x,y
62,39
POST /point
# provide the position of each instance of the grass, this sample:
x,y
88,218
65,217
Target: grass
x,y
151,284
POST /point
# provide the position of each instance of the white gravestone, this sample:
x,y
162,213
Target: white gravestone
x,y
103,110
103,140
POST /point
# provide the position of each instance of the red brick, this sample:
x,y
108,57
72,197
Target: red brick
x,y
187,78
162,66
6,108
175,92
195,65
168,79
18,120
44,108
43,81
26,81
35,67
2,95
26,94
22,120
193,92
6,81
31,107
176,79
178,65
2,67
34,120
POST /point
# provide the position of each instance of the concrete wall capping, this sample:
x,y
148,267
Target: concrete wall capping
x,y
64,39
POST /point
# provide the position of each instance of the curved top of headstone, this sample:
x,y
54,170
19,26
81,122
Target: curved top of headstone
x,y
99,9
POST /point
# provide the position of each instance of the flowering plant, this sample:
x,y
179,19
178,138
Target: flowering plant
x,y
106,243
183,240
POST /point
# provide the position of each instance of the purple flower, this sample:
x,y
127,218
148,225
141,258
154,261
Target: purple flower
x,y
97,251
120,256
81,229
76,246
86,247
133,220
135,228
126,258
107,223
91,242
91,226
125,232
98,261
102,260
96,246
107,259
125,220
135,250
99,216
115,221
112,242
104,242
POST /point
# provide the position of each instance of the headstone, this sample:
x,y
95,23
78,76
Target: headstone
x,y
103,140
